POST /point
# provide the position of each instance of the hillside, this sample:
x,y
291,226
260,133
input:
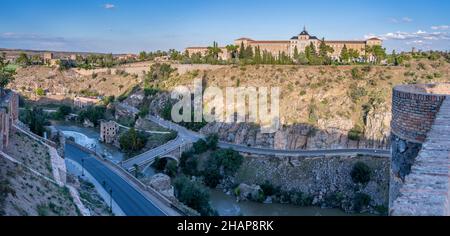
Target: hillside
x,y
320,107
23,192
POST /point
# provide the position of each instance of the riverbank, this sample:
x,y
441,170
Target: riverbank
x,y
225,205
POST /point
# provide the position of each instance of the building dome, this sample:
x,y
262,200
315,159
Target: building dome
x,y
304,32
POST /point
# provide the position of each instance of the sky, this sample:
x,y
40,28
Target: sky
x,y
131,26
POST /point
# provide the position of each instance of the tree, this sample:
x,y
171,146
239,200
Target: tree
x,y
257,57
200,146
249,52
214,51
379,53
92,113
361,173
211,141
142,56
228,160
296,55
345,57
63,111
233,50
310,52
23,59
189,163
36,120
6,75
132,141
324,49
302,59
36,60
242,51
353,54
194,195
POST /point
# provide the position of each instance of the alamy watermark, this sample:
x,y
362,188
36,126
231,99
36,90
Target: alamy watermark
x,y
229,105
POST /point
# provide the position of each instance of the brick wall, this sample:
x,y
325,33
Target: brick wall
x,y
413,113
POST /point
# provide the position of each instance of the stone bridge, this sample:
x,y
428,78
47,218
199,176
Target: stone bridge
x,y
420,169
171,150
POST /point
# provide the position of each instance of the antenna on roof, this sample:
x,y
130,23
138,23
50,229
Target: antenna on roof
x,y
304,28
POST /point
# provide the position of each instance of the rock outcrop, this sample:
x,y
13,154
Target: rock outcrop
x,y
162,184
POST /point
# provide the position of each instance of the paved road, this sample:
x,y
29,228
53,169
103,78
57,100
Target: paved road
x,y
186,136
130,200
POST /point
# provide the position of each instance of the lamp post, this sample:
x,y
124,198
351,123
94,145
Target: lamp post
x,y
110,199
82,167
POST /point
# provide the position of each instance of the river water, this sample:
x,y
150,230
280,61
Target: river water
x,y
225,205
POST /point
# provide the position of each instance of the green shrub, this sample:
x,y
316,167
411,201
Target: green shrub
x,y
200,146
92,113
132,141
63,111
211,141
269,189
159,164
150,91
40,92
334,199
194,195
189,163
356,133
361,173
360,201
356,93
171,168
144,112
357,74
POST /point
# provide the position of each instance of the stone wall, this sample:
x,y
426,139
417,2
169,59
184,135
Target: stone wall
x,y
320,177
9,114
416,109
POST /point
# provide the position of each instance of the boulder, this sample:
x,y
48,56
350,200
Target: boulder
x,y
162,184
249,192
88,124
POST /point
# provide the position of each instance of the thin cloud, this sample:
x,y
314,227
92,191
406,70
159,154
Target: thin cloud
x,y
401,20
418,35
440,27
407,19
109,6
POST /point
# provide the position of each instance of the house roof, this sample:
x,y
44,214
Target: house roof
x,y
197,48
271,41
346,41
248,39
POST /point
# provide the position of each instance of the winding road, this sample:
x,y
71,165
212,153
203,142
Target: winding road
x,y
186,136
130,199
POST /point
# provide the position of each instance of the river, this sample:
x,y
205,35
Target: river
x,y
225,205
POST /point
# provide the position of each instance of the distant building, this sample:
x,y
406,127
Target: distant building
x,y
73,57
128,57
82,102
109,130
9,114
203,51
48,57
299,42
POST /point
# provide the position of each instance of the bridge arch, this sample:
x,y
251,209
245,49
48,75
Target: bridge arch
x,y
170,157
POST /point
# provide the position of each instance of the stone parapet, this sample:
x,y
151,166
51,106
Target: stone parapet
x,y
426,190
416,110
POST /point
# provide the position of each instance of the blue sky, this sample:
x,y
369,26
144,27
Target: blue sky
x,y
121,26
